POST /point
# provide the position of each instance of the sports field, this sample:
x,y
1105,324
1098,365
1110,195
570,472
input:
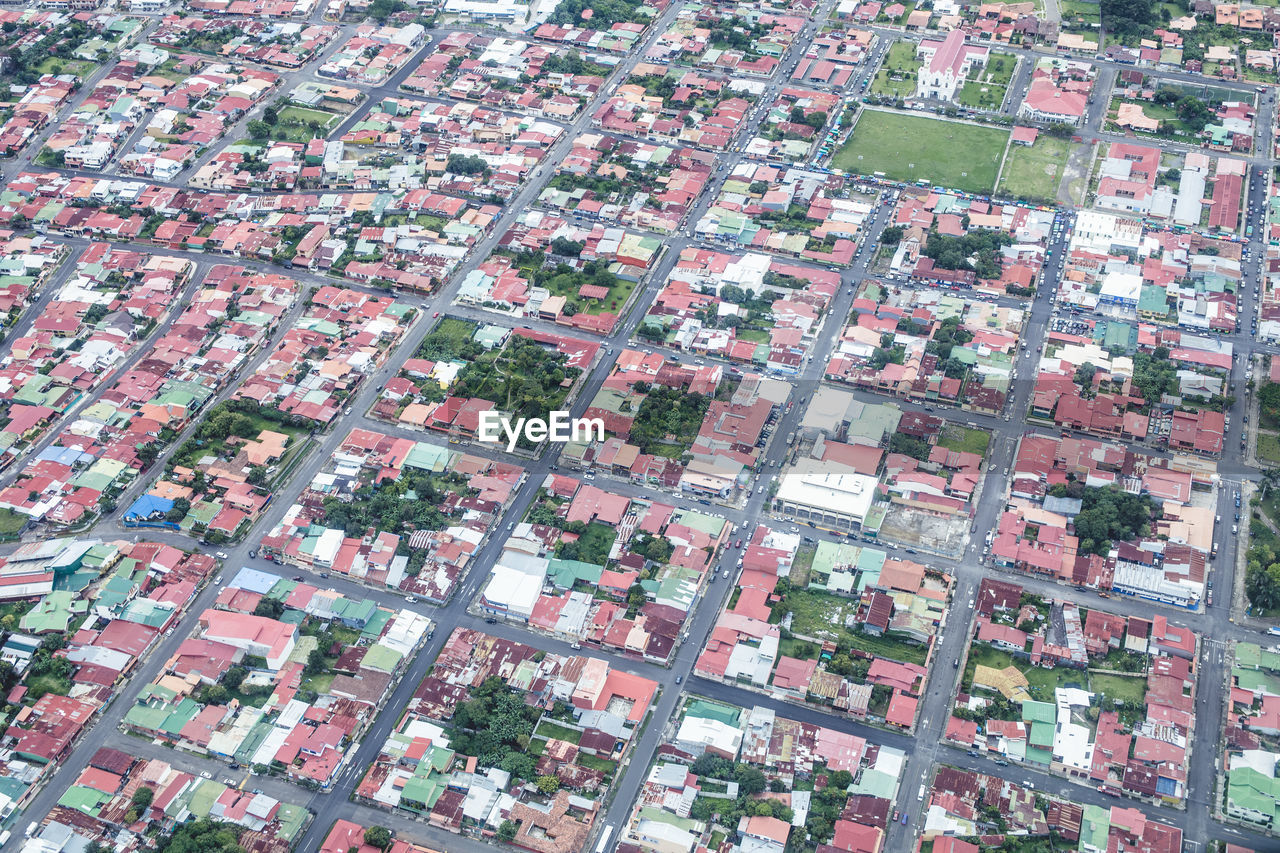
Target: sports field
x,y
912,148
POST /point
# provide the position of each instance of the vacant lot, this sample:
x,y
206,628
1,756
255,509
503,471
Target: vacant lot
x,y
912,148
964,439
1118,688
1034,172
298,124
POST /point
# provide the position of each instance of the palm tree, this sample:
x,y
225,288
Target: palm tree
x,y
1269,478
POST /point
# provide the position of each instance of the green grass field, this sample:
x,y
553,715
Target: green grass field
x,y
1034,172
897,74
1269,447
1118,687
964,439
986,87
1081,11
911,148
11,523
298,124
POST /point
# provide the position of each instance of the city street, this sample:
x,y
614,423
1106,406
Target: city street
x,y
1219,626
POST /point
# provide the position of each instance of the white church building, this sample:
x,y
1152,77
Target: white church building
x,y
945,65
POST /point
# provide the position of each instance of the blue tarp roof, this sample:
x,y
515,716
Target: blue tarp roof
x,y
147,504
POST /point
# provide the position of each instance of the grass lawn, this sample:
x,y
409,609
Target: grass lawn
x,y
11,522
986,87
802,565
1081,10
912,148
295,124
595,762
454,331
897,74
759,336
319,682
817,614
1119,687
39,685
1270,506
1268,449
55,65
889,647
802,649
548,729
1034,172
964,439
302,115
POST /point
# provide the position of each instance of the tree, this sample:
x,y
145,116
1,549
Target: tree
x,y
465,164
1262,584
636,596
380,10
234,677
271,116
147,453
378,836
179,510
315,662
750,780
213,694
1126,17
568,248
519,764
1193,113
142,797
203,836
258,129
270,608
507,831
257,475
548,784
892,235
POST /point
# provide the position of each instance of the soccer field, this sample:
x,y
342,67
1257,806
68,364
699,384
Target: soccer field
x,y
912,148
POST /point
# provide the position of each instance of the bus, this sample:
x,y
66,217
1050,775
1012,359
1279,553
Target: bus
x,y
604,839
